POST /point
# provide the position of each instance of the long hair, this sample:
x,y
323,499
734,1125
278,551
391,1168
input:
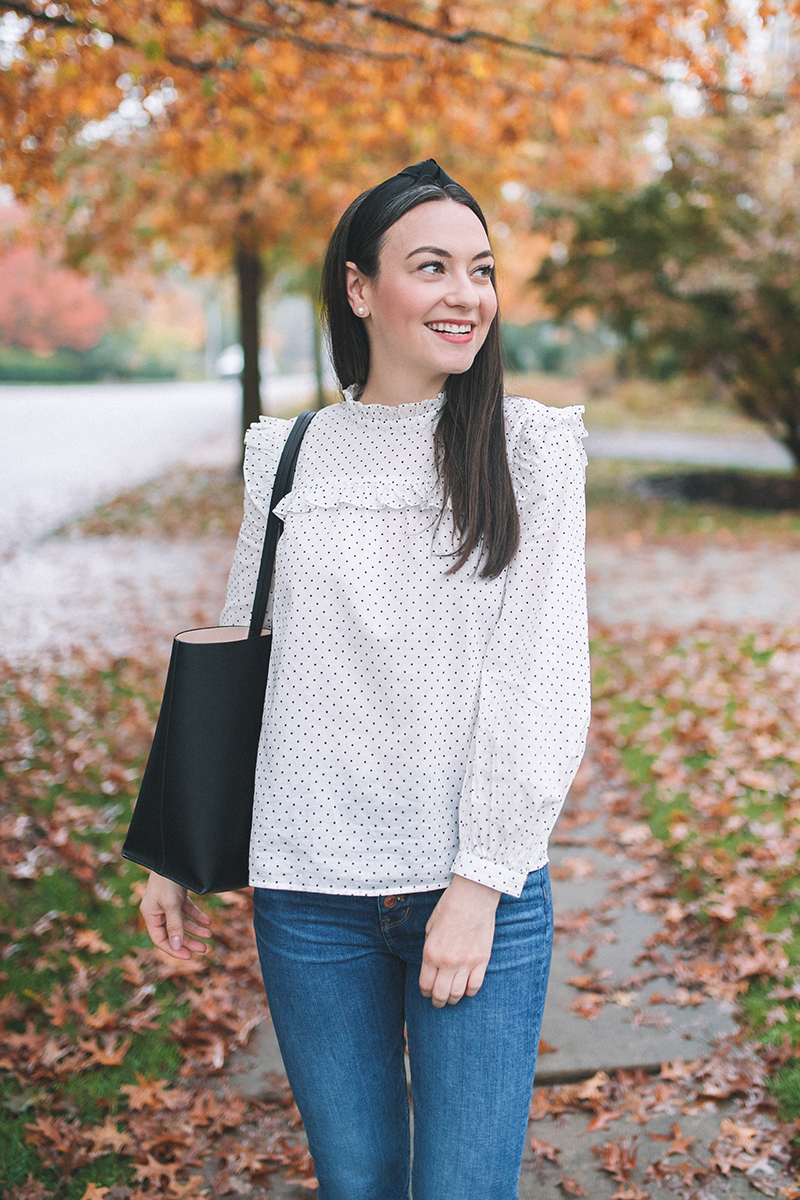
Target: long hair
x,y
469,441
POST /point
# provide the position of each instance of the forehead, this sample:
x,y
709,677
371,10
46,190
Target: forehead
x,y
445,224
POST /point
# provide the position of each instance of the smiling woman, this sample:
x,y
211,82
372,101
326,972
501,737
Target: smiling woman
x,y
426,711
413,254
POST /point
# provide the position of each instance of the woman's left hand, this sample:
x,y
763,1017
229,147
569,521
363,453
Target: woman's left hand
x,y
458,942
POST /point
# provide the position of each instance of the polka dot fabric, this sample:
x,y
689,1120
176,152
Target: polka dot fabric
x,y
416,724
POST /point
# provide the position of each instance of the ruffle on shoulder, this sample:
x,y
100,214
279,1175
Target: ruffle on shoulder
x,y
528,424
363,492
264,442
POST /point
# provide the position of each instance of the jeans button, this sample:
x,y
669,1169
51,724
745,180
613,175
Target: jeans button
x,y
390,902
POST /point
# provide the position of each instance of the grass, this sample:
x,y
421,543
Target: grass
x,y
615,510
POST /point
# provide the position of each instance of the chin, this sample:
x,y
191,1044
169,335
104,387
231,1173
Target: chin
x,y
459,367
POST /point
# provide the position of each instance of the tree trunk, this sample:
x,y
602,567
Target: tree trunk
x,y
318,366
249,275
791,440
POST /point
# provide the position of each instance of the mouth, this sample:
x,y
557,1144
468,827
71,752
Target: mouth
x,y
458,332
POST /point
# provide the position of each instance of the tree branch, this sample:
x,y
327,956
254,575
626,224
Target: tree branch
x,y
262,29
460,37
204,66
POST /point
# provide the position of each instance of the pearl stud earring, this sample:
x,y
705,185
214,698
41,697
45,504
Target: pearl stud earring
x,y
361,312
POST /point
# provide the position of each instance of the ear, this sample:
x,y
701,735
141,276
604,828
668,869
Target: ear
x,y
357,285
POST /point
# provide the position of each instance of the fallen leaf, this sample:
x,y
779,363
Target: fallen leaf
x,y
107,1137
108,1051
604,1117
152,1172
104,1018
544,1150
592,1088
571,1186
679,1069
580,958
589,1006
31,1189
678,1144
618,1157
91,940
740,1135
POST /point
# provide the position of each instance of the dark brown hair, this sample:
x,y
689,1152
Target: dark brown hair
x,y
469,442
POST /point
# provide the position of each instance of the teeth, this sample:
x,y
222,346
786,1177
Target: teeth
x,y
441,327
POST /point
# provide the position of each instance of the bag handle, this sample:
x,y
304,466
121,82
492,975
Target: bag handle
x,y
283,484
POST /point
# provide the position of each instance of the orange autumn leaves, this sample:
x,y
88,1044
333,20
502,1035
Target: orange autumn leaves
x,y
84,1001
709,722
245,120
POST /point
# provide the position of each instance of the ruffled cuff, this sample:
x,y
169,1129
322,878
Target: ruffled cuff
x,y
491,874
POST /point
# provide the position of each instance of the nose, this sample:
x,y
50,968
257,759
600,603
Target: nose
x,y
463,292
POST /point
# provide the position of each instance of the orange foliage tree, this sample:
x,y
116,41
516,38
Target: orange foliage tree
x,y
234,131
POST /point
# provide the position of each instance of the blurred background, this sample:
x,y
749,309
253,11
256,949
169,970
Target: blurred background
x,y
170,173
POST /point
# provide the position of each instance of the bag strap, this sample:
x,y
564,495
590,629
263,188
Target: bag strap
x,y
283,484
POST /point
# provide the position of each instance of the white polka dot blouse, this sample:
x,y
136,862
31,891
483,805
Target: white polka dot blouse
x,y
416,724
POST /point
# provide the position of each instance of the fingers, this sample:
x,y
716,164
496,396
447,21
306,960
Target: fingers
x,y
458,942
475,981
449,986
174,922
191,910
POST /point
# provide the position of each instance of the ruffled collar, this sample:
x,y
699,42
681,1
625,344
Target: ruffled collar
x,y
420,410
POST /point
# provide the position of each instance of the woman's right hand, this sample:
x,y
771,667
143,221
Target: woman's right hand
x,y
173,921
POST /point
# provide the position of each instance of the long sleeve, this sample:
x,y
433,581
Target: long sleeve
x,y
534,698
263,445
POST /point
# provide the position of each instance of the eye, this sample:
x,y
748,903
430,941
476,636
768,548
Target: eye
x,y
485,271
432,268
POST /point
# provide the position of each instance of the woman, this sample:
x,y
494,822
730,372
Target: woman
x,y
426,712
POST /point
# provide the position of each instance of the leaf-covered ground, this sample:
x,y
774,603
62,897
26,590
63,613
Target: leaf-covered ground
x,y
111,1053
695,741
114,1059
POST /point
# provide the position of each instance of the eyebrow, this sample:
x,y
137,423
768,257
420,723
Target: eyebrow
x,y
446,253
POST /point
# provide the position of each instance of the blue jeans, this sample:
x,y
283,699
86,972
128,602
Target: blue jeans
x,y
342,980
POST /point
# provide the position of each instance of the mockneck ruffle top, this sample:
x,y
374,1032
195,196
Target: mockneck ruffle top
x,y
416,724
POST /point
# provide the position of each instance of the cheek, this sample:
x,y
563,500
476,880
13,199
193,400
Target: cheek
x,y
399,306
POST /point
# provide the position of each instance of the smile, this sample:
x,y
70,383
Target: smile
x,y
452,329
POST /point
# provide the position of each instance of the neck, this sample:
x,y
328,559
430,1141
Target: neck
x,y
396,388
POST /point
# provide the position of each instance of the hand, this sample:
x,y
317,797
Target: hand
x,y
171,918
458,942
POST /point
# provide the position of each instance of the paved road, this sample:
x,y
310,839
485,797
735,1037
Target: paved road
x,y
708,449
64,449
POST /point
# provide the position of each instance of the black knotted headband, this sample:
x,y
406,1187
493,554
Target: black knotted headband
x,y
428,171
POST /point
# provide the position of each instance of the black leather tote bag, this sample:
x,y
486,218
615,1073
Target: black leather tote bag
x,y
195,808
